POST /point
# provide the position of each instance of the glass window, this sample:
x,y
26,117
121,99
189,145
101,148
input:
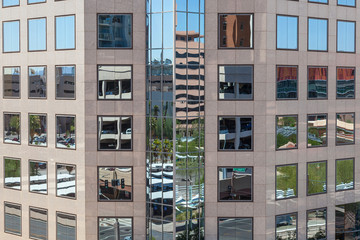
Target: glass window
x,y
65,82
110,226
345,129
286,226
236,31
36,1
115,133
66,180
236,82
12,218
38,177
12,128
347,221
319,1
235,228
11,36
317,82
115,31
317,130
65,32
345,82
286,132
12,173
37,34
235,184
345,36
286,181
317,34
11,78
65,226
38,223
114,82
287,32
316,177
37,82
344,174
37,130
235,133
115,183
316,224
286,82
350,3
66,132
9,3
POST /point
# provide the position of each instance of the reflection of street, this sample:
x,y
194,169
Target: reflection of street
x,y
115,229
235,229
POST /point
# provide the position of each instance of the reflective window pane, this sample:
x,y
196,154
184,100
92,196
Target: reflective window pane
x,y
38,223
345,36
316,177
317,82
236,82
115,31
65,32
115,183
114,82
66,132
286,181
37,82
316,224
317,34
286,226
345,82
317,130
287,32
66,180
319,1
38,177
11,78
347,221
12,173
37,130
9,3
37,34
11,36
65,82
110,228
36,1
115,133
236,31
286,82
286,132
235,228
344,174
345,128
65,226
235,133
350,3
12,128
235,184
12,218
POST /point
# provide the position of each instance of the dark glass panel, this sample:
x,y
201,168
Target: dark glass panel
x,y
235,184
317,82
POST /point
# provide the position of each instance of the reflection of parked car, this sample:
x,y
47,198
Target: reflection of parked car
x,y
70,141
128,131
283,220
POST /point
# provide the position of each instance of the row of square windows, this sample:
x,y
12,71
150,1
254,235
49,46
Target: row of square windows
x,y
12,3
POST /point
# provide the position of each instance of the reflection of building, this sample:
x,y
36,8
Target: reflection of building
x,y
235,31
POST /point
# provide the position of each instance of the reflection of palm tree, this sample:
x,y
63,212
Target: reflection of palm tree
x,y
34,123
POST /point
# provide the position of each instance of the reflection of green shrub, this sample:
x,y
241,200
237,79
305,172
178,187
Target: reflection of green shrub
x,y
317,177
313,143
12,168
344,171
281,140
286,178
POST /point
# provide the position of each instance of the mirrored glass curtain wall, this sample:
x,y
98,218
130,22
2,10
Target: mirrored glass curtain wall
x,y
175,119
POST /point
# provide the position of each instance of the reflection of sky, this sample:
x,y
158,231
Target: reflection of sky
x,y
7,3
65,32
347,2
36,71
36,1
346,36
287,32
317,34
37,34
319,1
11,36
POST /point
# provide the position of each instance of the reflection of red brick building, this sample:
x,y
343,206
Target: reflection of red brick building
x,y
235,31
318,73
345,74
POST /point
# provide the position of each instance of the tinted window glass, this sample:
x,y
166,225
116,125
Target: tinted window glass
x,y
65,226
8,3
36,1
236,82
286,132
235,184
345,82
38,177
112,226
350,3
236,31
12,173
344,174
37,34
65,32
115,183
317,34
317,130
66,180
37,130
12,218
286,226
235,228
316,224
317,82
115,133
65,132
286,82
287,32
11,80
115,31
345,128
114,82
12,128
316,178
286,181
65,82
37,82
235,133
345,36
11,36
347,221
38,223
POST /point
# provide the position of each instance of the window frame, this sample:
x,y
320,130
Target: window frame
x,y
56,183
68,214
3,82
56,130
47,130
307,130
47,177
47,221
28,80
2,39
354,123
28,34
116,217
252,225
12,158
354,172
327,83
297,131
297,181
307,178
348,67
327,34
65,49
60,98
276,28
337,34
307,219
297,221
297,82
21,223
12,113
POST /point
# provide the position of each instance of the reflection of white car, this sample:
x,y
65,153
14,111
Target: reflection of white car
x,y
127,238
128,131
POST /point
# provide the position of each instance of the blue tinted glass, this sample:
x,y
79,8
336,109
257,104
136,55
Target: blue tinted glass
x,y
36,1
115,31
7,3
181,5
345,36
37,34
319,1
65,32
287,32
11,36
317,34
347,2
156,5
168,40
193,6
156,32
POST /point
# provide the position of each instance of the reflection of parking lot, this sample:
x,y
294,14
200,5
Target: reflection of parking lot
x,y
115,229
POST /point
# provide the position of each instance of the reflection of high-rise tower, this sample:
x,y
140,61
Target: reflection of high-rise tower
x,y
235,31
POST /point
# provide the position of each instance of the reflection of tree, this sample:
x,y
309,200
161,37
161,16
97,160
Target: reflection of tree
x,y
35,124
344,171
291,235
321,234
195,234
15,124
34,167
282,140
317,177
286,178
12,168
